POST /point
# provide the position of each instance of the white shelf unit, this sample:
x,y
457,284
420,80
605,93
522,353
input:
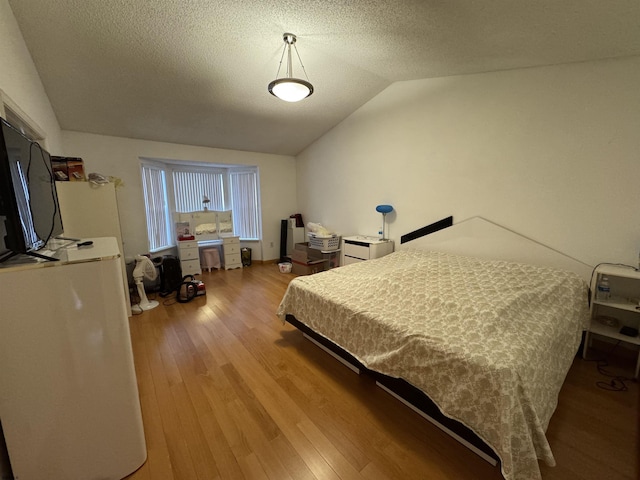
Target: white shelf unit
x,y
622,309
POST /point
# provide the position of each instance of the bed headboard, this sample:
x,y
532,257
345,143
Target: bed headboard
x,y
482,238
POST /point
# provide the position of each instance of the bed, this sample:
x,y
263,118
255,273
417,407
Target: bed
x,y
474,325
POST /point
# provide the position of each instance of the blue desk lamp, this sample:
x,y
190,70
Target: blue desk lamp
x,y
384,209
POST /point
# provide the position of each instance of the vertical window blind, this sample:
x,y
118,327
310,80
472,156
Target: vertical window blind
x,y
154,187
244,199
189,188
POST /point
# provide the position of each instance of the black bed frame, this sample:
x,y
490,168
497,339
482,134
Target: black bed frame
x,y
415,397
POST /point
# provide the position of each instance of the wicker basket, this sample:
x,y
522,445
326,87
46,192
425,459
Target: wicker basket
x,y
324,243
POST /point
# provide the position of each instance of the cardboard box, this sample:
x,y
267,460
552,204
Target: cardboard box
x,y
68,169
309,268
304,254
299,254
76,170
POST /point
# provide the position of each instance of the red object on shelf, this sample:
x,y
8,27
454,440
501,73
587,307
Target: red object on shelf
x,y
186,237
298,217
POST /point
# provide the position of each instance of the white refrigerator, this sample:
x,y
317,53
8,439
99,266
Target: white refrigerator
x,y
69,402
90,210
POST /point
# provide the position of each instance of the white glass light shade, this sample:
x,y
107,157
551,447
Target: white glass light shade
x,y
290,89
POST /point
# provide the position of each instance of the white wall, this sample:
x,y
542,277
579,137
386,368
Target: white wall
x,y
119,157
552,153
20,81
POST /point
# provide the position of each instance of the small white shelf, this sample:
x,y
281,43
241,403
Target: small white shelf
x,y
619,271
612,332
619,303
624,307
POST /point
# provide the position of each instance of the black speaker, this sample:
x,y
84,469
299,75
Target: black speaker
x,y
170,275
284,226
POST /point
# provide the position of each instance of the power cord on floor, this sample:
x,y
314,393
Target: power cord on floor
x,y
169,299
617,383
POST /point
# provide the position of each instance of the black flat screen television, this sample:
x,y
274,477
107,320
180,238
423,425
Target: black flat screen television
x,y
28,198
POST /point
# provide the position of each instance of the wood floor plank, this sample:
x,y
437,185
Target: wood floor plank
x,y
322,414
158,459
163,337
234,432
251,404
175,439
143,372
259,443
291,459
158,463
252,469
228,391
226,461
372,472
328,450
201,457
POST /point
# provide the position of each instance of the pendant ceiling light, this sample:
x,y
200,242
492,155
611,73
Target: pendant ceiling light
x,y
288,88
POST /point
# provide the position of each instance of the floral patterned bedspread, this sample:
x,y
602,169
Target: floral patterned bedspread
x,y
490,342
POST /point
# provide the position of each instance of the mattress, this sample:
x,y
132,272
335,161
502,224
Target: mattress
x,y
490,342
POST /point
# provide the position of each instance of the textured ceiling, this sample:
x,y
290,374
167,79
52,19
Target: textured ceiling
x,y
196,72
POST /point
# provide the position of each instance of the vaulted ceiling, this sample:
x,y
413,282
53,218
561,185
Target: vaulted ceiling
x,y
196,71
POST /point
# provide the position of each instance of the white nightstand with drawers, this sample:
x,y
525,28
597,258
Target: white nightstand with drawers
x,y
231,252
189,257
359,248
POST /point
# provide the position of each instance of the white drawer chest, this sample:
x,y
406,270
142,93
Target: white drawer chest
x,y
231,253
359,248
189,257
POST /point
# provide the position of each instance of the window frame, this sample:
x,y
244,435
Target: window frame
x,y
170,166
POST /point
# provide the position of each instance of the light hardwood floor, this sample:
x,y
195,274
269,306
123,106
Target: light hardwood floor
x,y
228,391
